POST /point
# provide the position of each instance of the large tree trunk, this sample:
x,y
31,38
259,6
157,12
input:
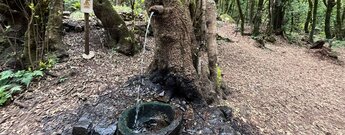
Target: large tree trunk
x,y
311,36
176,45
310,13
119,36
329,4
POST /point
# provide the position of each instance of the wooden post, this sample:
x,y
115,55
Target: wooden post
x,y
86,7
87,34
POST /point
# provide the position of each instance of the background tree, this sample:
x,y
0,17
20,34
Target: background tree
x,y
278,16
329,4
311,36
118,34
54,27
241,15
257,18
339,23
309,16
251,10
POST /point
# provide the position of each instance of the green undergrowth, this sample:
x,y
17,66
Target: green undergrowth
x,y
219,77
227,18
13,82
338,43
121,9
78,15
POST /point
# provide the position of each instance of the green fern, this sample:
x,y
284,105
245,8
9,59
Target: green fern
x,y
11,83
6,75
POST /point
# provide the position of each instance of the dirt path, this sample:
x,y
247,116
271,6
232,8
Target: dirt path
x,y
285,90
79,82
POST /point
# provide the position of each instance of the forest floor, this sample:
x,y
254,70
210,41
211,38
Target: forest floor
x,y
282,90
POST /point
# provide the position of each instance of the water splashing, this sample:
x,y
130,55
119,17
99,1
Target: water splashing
x,y
141,72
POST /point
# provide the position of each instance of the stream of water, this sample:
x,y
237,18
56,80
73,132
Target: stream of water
x,y
136,123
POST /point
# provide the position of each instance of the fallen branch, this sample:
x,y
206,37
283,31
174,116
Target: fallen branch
x,y
22,105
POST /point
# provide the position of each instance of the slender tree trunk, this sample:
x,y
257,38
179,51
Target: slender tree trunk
x,y
251,11
311,36
343,15
278,16
211,15
257,20
241,15
309,16
270,19
339,24
54,26
34,48
232,6
292,22
342,21
329,4
119,35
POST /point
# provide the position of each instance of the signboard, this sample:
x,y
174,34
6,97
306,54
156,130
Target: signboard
x,y
86,6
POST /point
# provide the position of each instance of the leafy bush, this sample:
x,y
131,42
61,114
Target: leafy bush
x,y
72,5
12,82
77,15
338,43
227,18
121,9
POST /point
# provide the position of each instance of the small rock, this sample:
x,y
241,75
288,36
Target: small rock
x,y
206,131
66,13
227,130
161,94
227,111
89,56
83,127
215,117
105,130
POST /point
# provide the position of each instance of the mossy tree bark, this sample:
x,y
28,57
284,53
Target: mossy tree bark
x,y
119,35
54,27
176,44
